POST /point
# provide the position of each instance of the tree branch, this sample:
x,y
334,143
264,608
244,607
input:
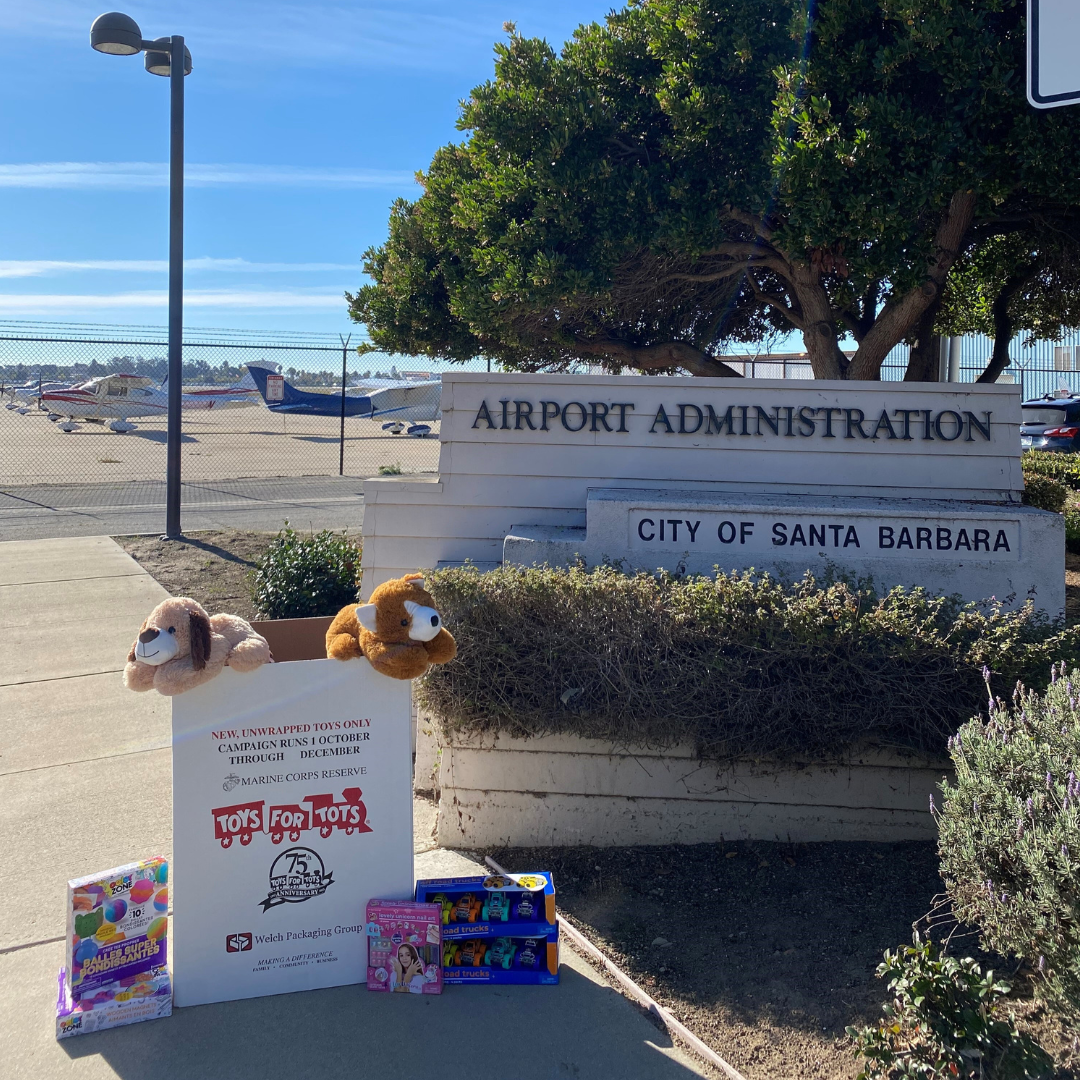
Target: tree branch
x,y
900,314
1003,326
751,221
652,357
775,301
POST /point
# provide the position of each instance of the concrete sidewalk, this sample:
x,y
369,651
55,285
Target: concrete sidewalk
x,y
85,785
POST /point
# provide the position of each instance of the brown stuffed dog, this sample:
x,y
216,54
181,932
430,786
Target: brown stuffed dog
x,y
180,647
398,630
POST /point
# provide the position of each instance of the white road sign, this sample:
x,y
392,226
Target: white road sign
x,y
1053,53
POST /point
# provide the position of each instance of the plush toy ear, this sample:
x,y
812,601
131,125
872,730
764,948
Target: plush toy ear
x,y
199,627
414,579
365,616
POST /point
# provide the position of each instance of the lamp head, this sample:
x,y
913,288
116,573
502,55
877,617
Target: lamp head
x,y
158,59
116,33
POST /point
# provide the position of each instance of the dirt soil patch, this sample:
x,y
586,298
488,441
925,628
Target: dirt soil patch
x,y
765,951
211,567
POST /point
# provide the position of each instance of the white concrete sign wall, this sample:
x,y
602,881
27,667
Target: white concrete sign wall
x,y
528,448
292,807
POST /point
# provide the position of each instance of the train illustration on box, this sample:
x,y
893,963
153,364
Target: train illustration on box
x,y
323,812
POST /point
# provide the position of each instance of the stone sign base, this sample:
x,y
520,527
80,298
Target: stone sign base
x,y
567,791
978,550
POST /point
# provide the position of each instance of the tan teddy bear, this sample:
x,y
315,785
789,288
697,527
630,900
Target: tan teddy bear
x,y
398,630
180,647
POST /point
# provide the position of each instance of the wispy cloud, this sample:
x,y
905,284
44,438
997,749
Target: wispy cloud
x,y
134,175
426,34
24,268
268,299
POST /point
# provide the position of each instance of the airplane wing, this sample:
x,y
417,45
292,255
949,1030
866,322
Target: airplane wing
x,y
415,402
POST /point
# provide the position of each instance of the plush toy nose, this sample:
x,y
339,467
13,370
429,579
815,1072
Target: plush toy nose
x,y
148,635
425,621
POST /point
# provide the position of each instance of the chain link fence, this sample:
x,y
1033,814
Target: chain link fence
x,y
243,449
50,436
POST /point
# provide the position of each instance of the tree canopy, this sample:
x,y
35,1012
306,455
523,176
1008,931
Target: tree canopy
x,y
694,173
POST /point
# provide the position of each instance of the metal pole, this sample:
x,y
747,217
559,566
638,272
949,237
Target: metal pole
x,y
344,373
176,284
954,358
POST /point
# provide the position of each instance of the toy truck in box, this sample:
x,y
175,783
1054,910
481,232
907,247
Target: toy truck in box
x,y
496,929
492,906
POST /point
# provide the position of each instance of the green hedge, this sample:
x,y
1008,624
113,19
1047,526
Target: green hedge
x,y
1064,468
1045,493
304,576
1010,833
740,666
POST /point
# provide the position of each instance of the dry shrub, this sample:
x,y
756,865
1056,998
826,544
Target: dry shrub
x,y
738,665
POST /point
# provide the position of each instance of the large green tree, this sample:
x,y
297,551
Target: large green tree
x,y
698,172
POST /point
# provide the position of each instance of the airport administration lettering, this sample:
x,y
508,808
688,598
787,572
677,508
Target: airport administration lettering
x,y
791,535
786,421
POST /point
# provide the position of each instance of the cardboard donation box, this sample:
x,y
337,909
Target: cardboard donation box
x,y
292,807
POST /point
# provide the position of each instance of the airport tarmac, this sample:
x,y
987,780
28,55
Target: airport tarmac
x,y
232,444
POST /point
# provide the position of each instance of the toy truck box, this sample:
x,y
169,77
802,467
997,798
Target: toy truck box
x,y
502,960
492,906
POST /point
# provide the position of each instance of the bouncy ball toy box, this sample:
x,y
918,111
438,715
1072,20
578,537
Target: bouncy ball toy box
x,y
404,947
496,929
117,926
127,1001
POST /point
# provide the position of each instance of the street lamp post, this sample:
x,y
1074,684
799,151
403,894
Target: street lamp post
x,y
119,35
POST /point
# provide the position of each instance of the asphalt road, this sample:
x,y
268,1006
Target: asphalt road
x,y
37,511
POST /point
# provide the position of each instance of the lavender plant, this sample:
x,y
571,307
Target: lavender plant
x,y
1009,832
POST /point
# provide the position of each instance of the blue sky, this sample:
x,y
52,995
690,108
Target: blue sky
x,y
304,121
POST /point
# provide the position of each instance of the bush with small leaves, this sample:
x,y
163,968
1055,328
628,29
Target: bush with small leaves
x,y
1062,467
942,1024
1044,493
1009,833
302,576
737,665
1072,529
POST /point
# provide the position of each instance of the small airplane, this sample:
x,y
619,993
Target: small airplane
x,y
24,398
411,405
119,396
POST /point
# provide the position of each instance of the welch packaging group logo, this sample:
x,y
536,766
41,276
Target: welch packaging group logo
x,y
238,943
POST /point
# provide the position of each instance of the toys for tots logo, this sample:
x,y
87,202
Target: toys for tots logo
x,y
322,812
296,875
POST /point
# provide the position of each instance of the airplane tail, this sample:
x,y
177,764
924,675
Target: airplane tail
x,y
272,387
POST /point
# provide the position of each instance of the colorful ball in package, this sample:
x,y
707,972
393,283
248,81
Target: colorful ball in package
x,y
86,950
156,930
141,891
116,909
161,901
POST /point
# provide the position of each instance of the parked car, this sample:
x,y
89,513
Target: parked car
x,y
1051,423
